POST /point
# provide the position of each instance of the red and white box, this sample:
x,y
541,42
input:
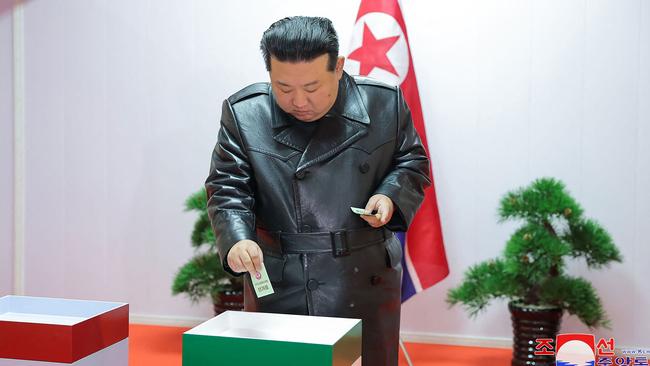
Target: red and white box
x,y
39,331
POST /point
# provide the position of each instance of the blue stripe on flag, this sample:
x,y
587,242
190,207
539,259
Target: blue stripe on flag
x,y
408,289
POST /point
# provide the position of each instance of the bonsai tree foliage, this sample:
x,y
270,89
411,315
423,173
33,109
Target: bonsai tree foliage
x,y
531,271
203,275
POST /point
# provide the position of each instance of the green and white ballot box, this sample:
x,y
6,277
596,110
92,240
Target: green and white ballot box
x,y
248,338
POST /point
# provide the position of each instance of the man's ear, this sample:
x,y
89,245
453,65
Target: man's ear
x,y
340,62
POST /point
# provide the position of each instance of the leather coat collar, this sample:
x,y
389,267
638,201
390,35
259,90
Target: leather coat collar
x,y
343,125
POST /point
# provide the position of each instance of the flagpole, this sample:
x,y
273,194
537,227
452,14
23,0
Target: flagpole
x,y
406,354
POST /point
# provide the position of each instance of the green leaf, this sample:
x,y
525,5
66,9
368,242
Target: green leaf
x,y
202,233
540,201
200,277
578,297
483,282
532,268
203,276
197,201
533,254
591,241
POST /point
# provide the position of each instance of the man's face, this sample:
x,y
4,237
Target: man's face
x,y
306,90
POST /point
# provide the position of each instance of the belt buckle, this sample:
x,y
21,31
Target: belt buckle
x,y
340,246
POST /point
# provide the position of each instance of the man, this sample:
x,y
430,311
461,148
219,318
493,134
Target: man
x,y
292,157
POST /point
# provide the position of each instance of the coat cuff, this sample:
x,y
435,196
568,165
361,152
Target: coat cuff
x,y
231,227
398,222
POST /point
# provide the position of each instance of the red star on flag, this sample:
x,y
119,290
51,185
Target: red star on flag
x,y
372,53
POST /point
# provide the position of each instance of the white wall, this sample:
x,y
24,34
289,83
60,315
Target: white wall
x,y
515,90
6,153
123,100
122,106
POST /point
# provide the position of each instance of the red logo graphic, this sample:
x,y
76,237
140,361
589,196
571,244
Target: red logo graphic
x,y
575,349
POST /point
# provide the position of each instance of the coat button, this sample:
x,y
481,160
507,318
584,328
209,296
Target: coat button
x,y
301,174
364,168
312,285
306,228
375,280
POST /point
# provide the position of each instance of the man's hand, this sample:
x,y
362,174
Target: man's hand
x,y
384,207
245,256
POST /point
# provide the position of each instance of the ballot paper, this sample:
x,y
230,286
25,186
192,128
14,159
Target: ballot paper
x,y
261,283
361,211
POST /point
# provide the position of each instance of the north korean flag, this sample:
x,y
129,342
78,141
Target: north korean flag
x,y
380,49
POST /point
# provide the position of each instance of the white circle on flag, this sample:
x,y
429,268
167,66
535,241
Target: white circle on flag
x,y
382,26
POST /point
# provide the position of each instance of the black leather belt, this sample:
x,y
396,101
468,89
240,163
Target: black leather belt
x,y
339,243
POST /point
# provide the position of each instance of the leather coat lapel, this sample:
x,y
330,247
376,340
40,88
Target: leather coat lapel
x,y
334,134
346,123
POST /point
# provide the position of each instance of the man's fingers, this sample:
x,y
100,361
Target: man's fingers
x,y
384,208
372,220
372,203
236,264
383,213
245,256
255,255
260,255
248,262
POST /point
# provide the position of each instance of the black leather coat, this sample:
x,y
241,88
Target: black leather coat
x,y
291,193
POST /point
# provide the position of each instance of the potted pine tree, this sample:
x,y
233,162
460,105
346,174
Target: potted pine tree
x,y
203,275
531,273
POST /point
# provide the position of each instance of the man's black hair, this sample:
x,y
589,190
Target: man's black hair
x,y
300,38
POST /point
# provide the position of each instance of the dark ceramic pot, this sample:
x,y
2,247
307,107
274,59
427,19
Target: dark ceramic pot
x,y
232,299
528,324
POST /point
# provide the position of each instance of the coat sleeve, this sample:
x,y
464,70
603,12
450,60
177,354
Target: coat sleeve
x,y
230,188
409,176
